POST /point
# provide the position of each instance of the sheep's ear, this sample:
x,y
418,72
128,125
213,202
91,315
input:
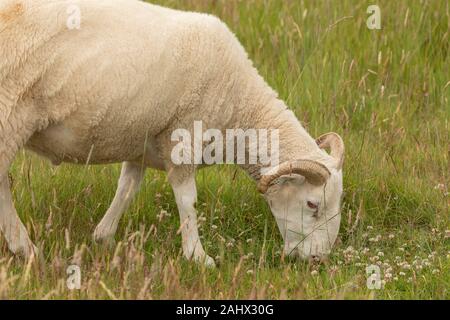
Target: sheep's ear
x,y
334,142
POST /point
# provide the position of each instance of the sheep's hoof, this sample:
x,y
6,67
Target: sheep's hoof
x,y
27,251
209,262
107,240
205,260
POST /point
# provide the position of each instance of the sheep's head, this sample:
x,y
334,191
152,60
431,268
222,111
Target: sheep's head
x,y
305,196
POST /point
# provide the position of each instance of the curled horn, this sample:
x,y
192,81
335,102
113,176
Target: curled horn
x,y
313,171
336,144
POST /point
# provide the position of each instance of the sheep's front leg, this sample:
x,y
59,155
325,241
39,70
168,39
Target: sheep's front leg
x,y
186,196
129,183
12,228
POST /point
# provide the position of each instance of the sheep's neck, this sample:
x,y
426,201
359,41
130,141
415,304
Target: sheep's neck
x,y
261,109
294,141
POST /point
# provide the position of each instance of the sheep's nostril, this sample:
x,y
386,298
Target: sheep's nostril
x,y
318,259
314,259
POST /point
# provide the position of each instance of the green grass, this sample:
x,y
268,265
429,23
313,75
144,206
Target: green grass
x,y
385,91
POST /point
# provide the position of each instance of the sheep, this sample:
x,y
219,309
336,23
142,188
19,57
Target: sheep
x,y
114,89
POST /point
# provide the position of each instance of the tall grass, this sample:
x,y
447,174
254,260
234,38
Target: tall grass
x,y
385,91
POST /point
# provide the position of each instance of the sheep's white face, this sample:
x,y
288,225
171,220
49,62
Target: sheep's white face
x,y
308,216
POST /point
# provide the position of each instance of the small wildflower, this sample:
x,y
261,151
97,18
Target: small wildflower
x,y
391,236
439,186
334,269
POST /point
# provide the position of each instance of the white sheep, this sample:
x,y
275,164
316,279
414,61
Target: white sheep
x,y
115,87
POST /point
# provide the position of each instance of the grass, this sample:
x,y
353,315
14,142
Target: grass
x,y
385,91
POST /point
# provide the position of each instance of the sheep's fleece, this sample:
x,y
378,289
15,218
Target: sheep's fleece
x,y
115,89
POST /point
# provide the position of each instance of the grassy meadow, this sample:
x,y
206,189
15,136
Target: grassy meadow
x,y
386,92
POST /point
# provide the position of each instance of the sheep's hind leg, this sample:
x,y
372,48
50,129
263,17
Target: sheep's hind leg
x,y
183,184
129,184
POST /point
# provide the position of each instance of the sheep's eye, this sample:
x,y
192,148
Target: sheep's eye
x,y
312,205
